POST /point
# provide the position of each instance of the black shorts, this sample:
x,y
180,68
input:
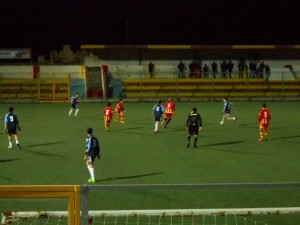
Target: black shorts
x,y
157,119
193,129
12,131
74,106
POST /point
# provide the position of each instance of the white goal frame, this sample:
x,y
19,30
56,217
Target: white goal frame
x,y
78,201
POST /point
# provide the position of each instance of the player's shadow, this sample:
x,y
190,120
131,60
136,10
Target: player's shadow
x,y
128,177
130,130
223,143
145,122
286,137
7,160
249,125
42,144
39,152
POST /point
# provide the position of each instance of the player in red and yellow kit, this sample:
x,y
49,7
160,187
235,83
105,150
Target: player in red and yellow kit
x,y
264,118
169,112
119,111
108,114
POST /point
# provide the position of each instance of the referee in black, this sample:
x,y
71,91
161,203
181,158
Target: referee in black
x,y
193,125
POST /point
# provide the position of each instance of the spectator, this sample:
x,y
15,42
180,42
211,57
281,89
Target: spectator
x,y
256,69
267,72
151,69
230,68
261,69
205,71
241,68
198,70
192,68
224,68
245,71
252,68
214,68
181,69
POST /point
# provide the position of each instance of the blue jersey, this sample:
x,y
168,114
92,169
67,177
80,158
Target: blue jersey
x,y
92,148
227,107
11,121
158,111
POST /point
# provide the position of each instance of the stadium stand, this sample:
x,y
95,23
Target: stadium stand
x,y
209,88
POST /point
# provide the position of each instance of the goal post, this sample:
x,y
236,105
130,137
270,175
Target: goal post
x,y
71,192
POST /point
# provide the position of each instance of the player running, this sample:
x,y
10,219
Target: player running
x,y
119,111
108,114
74,104
264,118
169,112
157,111
226,110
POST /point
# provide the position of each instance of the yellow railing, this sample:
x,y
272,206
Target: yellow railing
x,y
47,87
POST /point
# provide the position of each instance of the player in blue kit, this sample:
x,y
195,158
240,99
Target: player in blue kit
x,y
157,111
226,110
92,150
11,125
74,104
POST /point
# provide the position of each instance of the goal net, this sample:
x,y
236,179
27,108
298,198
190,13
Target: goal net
x,y
242,216
187,204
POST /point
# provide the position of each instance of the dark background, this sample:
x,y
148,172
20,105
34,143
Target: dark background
x,y
47,25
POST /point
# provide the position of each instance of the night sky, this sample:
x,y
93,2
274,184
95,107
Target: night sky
x,y
47,25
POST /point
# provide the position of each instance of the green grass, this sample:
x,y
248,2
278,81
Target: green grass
x,y
53,148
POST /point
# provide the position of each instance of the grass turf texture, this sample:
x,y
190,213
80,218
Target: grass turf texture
x,y
53,148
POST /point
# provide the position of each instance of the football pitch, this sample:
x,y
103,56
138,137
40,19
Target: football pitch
x,y
53,147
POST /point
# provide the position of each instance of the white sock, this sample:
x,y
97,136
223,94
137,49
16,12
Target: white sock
x,y
156,127
70,112
76,112
17,142
10,144
92,172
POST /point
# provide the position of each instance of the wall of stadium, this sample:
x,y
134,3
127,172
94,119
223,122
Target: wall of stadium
x,y
26,71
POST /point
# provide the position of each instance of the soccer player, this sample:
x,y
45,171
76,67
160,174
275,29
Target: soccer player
x,y
108,114
119,111
11,125
226,110
193,125
157,111
169,112
92,151
264,118
74,104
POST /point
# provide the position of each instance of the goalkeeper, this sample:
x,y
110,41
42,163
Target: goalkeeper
x,y
92,151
